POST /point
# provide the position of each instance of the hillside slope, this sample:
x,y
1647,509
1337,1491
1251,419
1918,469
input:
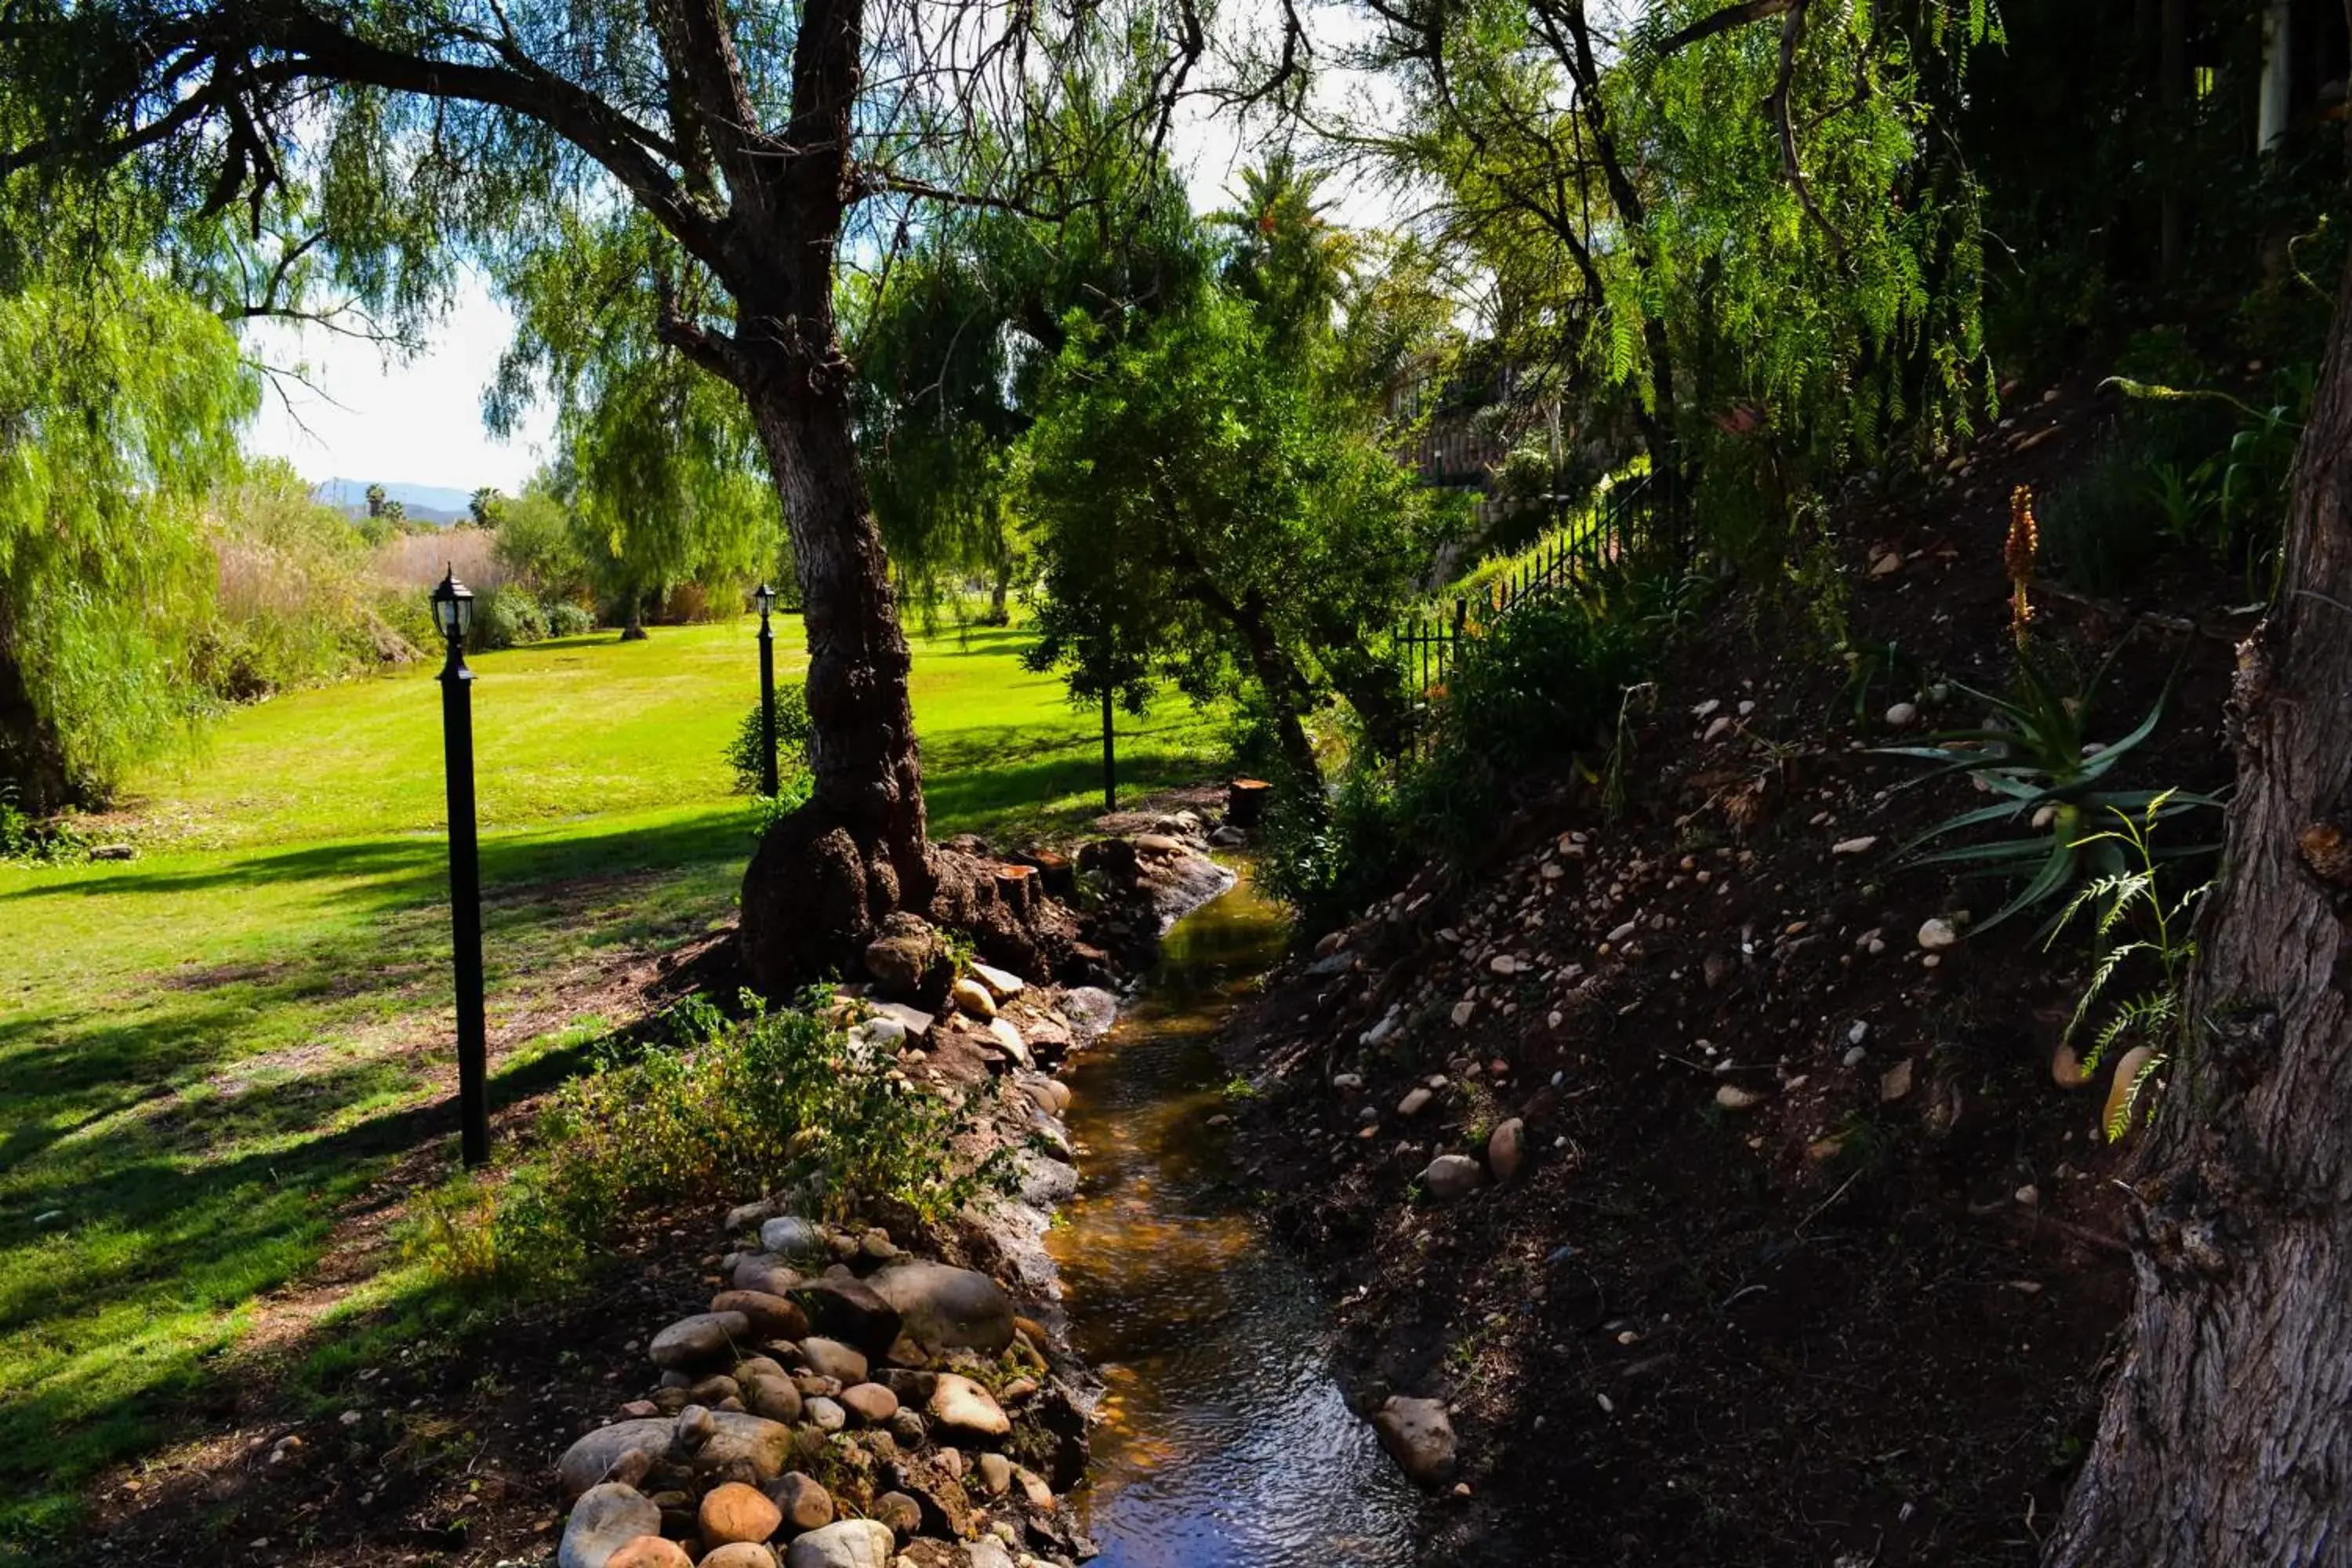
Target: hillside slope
x,y
1802,1255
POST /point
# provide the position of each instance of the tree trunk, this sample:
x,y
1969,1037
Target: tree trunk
x,y
2227,1436
31,760
632,627
823,876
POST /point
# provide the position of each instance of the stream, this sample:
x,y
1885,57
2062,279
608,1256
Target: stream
x,y
1226,1438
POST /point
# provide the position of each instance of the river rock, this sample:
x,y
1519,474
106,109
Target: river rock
x,y
790,1236
704,1340
1450,1176
946,1307
1007,1036
965,1408
1414,1102
1032,1487
743,1217
870,1403
1505,1148
771,1316
1003,984
830,1358
753,1444
596,1456
995,1472
1934,935
906,960
737,1512
825,1416
971,997
605,1518
1419,1438
850,1543
649,1551
769,1389
900,1513
847,1309
806,1505
739,1554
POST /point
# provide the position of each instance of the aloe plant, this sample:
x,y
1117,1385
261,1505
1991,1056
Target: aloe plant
x,y
2036,754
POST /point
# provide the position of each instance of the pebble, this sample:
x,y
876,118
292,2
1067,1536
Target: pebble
x,y
739,1554
995,1473
825,1415
1903,715
1938,934
830,1358
1731,1096
847,1544
649,1551
1505,1148
1450,1176
972,997
1895,1081
806,1505
1862,845
1463,1013
1414,1102
701,1341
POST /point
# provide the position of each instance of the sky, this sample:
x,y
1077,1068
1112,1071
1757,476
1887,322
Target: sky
x,y
417,421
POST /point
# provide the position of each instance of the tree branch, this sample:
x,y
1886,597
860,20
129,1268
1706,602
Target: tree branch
x,y
1723,21
1792,34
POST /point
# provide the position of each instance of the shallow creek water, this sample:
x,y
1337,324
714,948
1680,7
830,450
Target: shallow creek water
x,y
1226,1439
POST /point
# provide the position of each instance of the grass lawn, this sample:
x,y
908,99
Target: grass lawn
x,y
209,1053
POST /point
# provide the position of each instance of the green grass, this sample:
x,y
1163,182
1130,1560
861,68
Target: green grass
x,y
209,1054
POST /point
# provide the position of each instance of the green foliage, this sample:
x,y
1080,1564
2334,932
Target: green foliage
x,y
781,1100
661,476
794,732
507,617
1545,687
537,545
119,400
1205,505
2037,754
2129,897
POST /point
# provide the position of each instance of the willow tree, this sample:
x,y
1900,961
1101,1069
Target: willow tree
x,y
1702,208
121,397
762,143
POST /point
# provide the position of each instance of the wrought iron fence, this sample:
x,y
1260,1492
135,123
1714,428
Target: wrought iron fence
x,y
1429,643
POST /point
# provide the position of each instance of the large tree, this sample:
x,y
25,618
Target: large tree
x,y
2227,1436
761,144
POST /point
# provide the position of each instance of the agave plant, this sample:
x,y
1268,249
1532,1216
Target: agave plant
x,y
2037,756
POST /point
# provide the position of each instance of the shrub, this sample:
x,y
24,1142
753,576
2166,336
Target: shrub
x,y
507,617
778,1099
794,729
1545,684
566,619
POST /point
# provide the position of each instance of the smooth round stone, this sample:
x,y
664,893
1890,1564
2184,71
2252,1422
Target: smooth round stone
x,y
826,1416
773,1395
739,1554
830,1358
907,1426
737,1512
771,1316
963,1405
870,1403
605,1518
650,1551
788,1235
705,1339
805,1503
946,1307
595,1457
851,1543
995,1474
902,1514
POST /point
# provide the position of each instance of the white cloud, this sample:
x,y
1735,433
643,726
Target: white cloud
x,y
416,420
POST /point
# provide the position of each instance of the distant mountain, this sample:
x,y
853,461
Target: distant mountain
x,y
422,503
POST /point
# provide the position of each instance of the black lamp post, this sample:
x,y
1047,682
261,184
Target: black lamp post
x,y
765,597
453,613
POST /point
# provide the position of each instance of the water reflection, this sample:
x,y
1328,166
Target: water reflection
x,y
1226,1441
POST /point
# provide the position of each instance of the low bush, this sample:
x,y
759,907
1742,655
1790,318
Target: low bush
x,y
793,730
1543,686
777,1099
507,617
566,619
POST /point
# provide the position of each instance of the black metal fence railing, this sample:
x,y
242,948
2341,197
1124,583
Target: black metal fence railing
x,y
1429,643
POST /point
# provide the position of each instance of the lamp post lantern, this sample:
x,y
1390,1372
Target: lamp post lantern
x,y
452,613
766,598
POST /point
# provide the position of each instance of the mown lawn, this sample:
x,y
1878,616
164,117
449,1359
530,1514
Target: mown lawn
x,y
207,1053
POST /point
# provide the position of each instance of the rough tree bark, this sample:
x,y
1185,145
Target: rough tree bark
x,y
2227,1436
